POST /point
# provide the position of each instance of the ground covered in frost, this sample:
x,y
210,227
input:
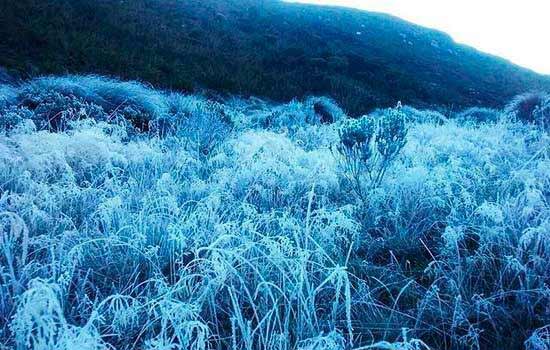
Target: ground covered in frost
x,y
133,218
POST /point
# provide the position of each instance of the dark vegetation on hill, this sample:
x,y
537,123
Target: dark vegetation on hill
x,y
264,48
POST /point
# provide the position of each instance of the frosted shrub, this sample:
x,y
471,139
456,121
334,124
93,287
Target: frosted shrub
x,y
289,116
14,117
103,91
297,114
180,328
270,170
55,112
180,108
205,129
58,98
422,116
391,133
358,133
368,146
83,153
39,322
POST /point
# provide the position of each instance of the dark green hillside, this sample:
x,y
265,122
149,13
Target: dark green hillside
x,y
264,48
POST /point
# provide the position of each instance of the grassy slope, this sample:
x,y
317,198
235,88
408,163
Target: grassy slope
x,y
263,48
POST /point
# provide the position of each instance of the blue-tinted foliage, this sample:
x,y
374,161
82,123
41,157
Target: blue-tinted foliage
x,y
132,218
532,107
479,115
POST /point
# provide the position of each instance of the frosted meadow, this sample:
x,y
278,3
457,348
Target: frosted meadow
x,y
133,218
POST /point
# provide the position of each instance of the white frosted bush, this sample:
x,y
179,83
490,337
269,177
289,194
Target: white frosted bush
x,y
269,169
295,114
84,154
13,118
103,91
205,129
490,212
39,322
313,137
424,116
289,116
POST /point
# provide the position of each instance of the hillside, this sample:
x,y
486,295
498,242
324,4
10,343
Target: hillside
x,y
265,48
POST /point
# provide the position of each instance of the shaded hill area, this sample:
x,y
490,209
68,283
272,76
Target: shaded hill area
x,y
265,48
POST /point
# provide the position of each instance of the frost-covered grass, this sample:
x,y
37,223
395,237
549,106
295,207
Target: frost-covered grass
x,y
141,219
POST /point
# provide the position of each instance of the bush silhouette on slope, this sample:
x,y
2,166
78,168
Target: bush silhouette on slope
x,y
533,107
